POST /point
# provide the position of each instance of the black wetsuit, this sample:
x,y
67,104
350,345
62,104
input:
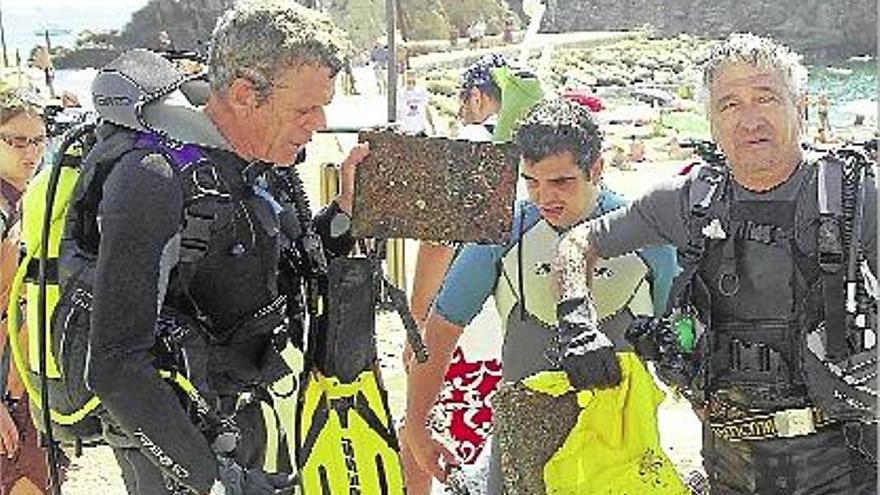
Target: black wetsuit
x,y
140,217
758,319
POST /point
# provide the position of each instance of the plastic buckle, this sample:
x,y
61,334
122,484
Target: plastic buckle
x,y
794,422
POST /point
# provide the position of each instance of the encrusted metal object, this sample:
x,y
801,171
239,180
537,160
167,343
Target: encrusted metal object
x,y
529,428
434,189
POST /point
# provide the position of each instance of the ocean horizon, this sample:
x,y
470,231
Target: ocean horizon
x,y
25,22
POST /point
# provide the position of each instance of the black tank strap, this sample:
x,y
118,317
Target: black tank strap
x,y
831,254
707,215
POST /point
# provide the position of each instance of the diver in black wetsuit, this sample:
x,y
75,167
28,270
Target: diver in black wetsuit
x,y
179,220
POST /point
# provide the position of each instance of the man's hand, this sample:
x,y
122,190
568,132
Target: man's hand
x,y
594,369
417,481
584,352
427,451
8,433
346,176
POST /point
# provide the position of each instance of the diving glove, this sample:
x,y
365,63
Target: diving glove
x,y
236,480
582,350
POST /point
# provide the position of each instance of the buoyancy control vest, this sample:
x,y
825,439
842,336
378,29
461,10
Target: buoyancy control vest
x,y
756,296
620,282
226,228
74,407
214,189
525,301
752,275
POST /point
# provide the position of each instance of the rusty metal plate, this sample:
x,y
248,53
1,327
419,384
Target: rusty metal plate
x,y
527,436
434,189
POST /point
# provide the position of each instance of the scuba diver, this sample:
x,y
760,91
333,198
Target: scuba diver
x,y
490,92
560,146
770,331
188,242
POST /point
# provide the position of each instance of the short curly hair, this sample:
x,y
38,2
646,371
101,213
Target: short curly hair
x,y
558,125
15,101
759,52
479,75
256,39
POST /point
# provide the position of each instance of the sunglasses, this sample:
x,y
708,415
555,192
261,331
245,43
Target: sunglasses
x,y
22,142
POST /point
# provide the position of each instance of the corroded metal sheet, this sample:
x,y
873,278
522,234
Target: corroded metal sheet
x,y
528,436
434,189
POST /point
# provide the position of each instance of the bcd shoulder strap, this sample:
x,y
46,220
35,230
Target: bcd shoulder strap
x,y
830,252
707,218
203,191
843,177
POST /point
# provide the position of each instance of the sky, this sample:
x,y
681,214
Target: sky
x,y
129,5
21,18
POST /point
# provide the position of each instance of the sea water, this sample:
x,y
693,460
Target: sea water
x,y
851,86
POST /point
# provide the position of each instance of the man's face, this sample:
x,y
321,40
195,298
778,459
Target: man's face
x,y
22,141
756,122
279,126
475,107
562,191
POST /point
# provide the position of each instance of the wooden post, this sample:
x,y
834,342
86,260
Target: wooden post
x,y
395,257
329,183
391,88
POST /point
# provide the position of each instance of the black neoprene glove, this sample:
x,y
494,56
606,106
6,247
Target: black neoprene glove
x,y
236,480
582,350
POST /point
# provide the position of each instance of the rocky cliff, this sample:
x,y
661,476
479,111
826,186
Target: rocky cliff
x,y
818,28
189,24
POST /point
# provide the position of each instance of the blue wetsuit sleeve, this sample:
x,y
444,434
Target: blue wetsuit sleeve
x,y
664,267
468,282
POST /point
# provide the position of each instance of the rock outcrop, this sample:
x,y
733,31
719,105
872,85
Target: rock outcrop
x,y
189,24
818,28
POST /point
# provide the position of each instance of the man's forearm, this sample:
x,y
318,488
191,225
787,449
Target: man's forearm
x,y
576,257
425,380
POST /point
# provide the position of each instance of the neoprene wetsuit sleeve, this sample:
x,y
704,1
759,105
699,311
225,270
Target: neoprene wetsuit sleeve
x,y
469,281
327,224
657,217
139,214
869,225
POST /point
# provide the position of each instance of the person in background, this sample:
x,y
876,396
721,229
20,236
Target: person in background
x,y
379,61
412,108
23,469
